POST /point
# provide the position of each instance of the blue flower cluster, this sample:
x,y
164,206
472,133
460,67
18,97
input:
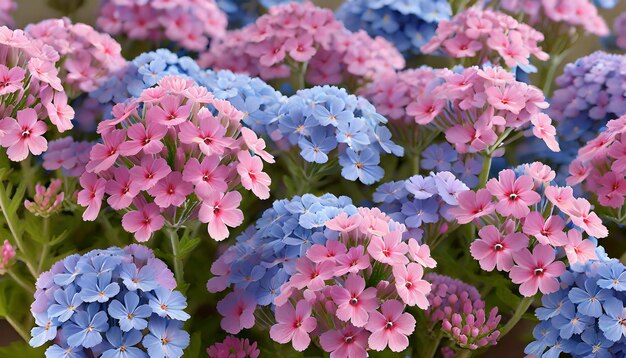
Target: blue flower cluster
x,y
408,24
606,4
440,157
265,255
585,318
105,302
244,12
321,119
421,203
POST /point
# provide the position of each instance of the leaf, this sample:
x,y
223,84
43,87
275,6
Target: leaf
x,y
22,350
59,238
18,197
507,297
187,245
195,347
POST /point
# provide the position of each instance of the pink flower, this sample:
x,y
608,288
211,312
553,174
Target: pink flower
x,y
311,275
410,286
540,172
237,308
10,79
6,256
612,190
579,250
219,211
122,190
208,176
543,129
45,72
233,347
255,144
23,135
561,197
354,261
143,222
421,254
60,113
389,249
149,172
354,301
294,325
103,155
510,98
333,248
210,136
142,138
390,327
425,109
253,178
584,218
170,113
91,195
344,223
536,271
548,232
171,190
479,137
348,342
514,195
494,250
473,205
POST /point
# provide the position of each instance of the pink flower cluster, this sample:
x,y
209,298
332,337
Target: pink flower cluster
x,y
461,312
574,13
517,214
487,36
478,108
70,156
292,35
89,57
352,292
174,154
30,87
6,8
601,166
47,201
233,347
7,254
188,23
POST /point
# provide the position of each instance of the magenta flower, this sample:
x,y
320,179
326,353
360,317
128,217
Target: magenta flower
x,y
171,191
103,155
536,271
311,275
148,174
220,211
473,205
253,178
142,138
143,222
514,195
91,195
121,189
494,250
348,342
410,286
294,325
11,79
354,301
353,261
24,135
390,327
548,232
208,176
237,308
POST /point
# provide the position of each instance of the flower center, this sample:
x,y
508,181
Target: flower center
x,y
538,271
513,196
354,301
498,247
163,306
26,133
348,339
388,325
359,165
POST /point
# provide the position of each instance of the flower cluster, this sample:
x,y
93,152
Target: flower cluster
x,y
6,8
477,109
487,36
421,203
30,92
88,57
244,12
619,30
106,302
306,40
189,24
47,201
520,213
233,347
571,13
357,285
441,157
70,156
408,25
584,317
264,257
184,149
321,119
461,312
8,253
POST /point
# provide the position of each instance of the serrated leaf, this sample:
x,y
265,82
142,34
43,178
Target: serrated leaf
x,y
187,245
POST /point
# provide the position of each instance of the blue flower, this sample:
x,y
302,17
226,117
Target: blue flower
x,y
594,345
67,303
143,279
46,330
56,351
353,133
439,157
316,149
245,274
362,166
168,303
420,211
97,288
70,265
569,322
390,191
612,322
383,135
166,338
130,314
448,187
333,112
552,305
421,187
613,276
590,299
545,336
123,344
86,327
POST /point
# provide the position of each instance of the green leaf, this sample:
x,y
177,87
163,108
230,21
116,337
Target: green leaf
x,y
507,297
187,245
22,350
195,347
59,238
18,197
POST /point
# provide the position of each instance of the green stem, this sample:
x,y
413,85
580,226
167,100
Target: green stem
x,y
522,307
466,353
415,162
46,246
16,237
19,329
432,348
484,172
178,261
20,281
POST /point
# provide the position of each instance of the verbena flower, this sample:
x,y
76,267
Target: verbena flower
x,y
31,93
301,37
408,25
88,56
184,149
461,312
188,24
112,318
265,255
583,317
322,119
241,348
487,36
522,220
244,12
